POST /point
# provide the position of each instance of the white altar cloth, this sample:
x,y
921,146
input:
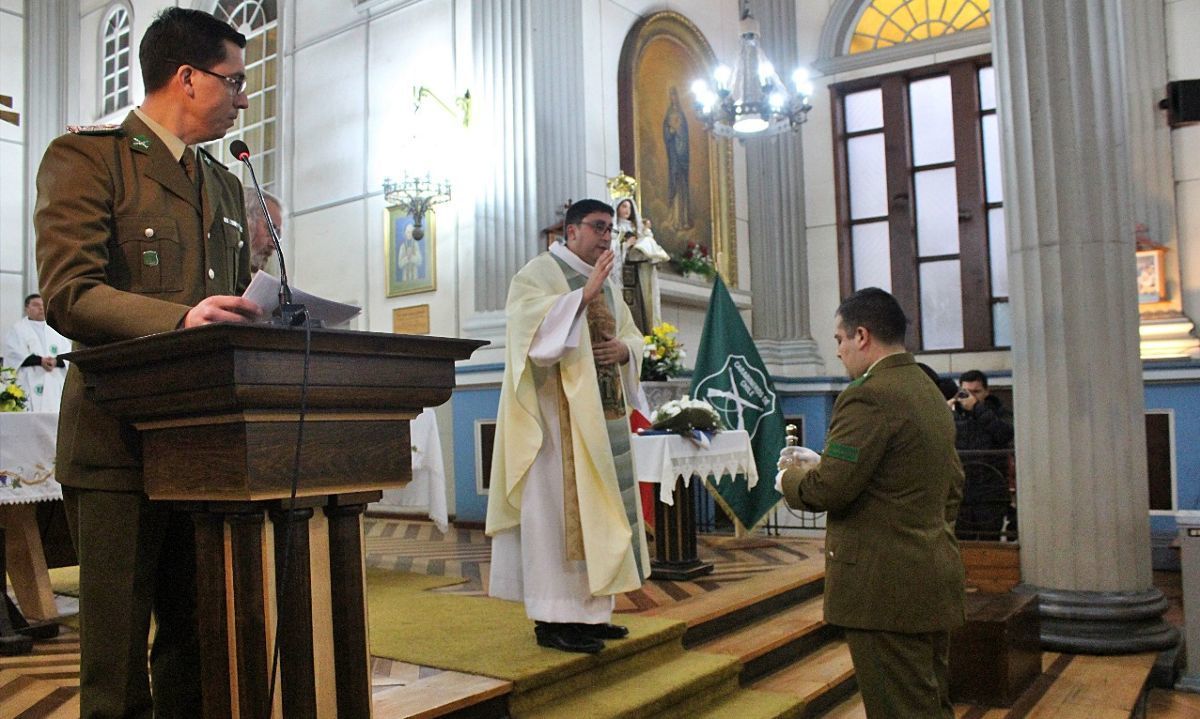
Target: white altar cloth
x,y
661,458
427,490
27,444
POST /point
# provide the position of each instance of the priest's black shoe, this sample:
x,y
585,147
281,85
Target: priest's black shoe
x,y
565,637
603,631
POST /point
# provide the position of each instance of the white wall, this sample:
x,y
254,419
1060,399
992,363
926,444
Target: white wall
x,y
349,109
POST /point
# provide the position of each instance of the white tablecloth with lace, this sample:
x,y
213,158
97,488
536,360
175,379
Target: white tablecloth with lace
x,y
662,458
27,444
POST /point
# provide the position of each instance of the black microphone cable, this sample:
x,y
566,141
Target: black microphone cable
x,y
290,514
241,152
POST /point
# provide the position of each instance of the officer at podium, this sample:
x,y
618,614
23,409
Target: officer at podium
x,y
140,232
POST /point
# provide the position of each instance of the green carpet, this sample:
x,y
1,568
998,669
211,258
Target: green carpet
x,y
482,635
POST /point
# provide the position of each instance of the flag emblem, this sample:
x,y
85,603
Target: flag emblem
x,y
740,393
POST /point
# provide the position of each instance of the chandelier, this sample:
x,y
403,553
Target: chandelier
x,y
751,100
415,195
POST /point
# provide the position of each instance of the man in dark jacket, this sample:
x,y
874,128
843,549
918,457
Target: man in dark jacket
x,y
982,423
890,480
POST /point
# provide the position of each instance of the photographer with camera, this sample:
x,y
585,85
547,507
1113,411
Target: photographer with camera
x,y
982,422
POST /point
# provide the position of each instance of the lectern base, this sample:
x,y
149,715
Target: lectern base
x,y
679,571
241,550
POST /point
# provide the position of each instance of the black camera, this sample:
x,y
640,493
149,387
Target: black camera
x,y
962,394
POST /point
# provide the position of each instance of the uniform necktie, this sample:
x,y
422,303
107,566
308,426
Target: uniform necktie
x,y
188,160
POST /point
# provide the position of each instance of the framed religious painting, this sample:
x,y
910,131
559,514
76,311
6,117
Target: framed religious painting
x,y
1151,280
684,173
411,264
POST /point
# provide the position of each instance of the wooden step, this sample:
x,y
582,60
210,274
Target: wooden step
x,y
821,680
723,610
651,690
442,694
849,708
745,704
775,640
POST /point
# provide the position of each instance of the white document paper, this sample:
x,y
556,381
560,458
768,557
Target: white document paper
x,y
264,292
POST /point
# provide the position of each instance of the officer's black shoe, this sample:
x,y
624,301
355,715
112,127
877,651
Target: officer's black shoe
x,y
603,631
565,637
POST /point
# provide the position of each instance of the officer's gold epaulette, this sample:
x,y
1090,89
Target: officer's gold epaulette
x,y
96,130
209,159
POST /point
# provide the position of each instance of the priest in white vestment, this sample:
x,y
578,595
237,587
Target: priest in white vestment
x,y
32,348
563,506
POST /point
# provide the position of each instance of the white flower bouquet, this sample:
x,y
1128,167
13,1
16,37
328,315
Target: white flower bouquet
x,y
685,415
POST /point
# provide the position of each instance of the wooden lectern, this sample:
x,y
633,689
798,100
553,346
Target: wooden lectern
x,y
218,408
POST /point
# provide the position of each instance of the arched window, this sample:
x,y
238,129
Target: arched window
x,y
257,126
920,200
884,23
115,60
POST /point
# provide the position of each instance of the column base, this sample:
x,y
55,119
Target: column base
x,y
487,325
1168,336
790,358
1102,622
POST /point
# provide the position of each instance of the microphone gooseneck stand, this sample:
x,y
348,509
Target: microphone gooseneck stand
x,y
290,315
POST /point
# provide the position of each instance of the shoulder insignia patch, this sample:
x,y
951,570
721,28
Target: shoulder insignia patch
x,y
95,130
209,159
141,143
858,382
842,452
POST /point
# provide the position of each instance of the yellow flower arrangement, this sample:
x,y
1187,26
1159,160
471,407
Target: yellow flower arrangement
x,y
12,397
662,354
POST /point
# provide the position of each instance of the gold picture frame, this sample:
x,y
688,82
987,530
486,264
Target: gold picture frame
x,y
411,265
663,53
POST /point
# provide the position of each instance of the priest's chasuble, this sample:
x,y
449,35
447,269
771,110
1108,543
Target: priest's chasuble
x,y
30,337
562,505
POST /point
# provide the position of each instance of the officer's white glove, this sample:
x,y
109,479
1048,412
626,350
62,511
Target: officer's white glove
x,y
801,457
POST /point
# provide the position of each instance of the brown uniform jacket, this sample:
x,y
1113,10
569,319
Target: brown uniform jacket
x,y
891,482
125,247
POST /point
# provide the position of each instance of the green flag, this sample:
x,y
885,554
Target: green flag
x,y
730,376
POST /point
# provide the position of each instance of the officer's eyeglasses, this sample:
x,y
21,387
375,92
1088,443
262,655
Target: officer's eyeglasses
x,y
236,83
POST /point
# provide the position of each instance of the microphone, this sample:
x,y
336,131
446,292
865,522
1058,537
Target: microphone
x,y
291,315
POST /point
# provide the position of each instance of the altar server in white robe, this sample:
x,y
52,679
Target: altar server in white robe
x,y
563,508
32,348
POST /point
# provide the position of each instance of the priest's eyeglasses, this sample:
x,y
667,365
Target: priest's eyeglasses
x,y
236,83
599,226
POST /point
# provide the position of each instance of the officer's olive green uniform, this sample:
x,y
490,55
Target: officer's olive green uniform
x,y
891,482
126,245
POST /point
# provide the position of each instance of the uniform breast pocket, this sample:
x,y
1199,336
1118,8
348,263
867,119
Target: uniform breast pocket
x,y
152,254
235,246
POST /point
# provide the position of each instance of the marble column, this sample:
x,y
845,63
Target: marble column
x,y
52,56
528,125
778,245
1077,384
1165,331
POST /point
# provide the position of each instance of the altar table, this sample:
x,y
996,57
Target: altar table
x,y
27,445
427,489
670,461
